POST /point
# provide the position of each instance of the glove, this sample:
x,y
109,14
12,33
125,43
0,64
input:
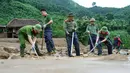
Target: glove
x,y
33,46
44,26
98,43
88,32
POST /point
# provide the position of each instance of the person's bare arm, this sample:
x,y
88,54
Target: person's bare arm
x,y
104,40
34,39
50,22
30,40
87,29
65,26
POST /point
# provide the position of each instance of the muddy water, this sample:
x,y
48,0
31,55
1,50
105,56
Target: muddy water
x,y
67,65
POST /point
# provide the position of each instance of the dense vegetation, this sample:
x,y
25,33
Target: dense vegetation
x,y
116,19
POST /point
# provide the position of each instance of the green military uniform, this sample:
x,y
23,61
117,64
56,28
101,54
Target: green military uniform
x,y
104,34
23,36
92,28
47,19
48,35
70,25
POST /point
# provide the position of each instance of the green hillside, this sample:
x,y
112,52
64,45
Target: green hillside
x,y
60,6
116,19
30,9
16,9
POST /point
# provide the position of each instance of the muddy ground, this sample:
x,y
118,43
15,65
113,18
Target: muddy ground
x,y
60,62
11,46
64,65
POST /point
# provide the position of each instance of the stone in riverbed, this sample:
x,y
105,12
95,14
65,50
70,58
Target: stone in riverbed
x,y
4,55
11,49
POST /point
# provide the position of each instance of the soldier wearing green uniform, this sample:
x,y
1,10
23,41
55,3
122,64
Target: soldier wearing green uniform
x,y
48,32
29,33
70,27
104,38
92,30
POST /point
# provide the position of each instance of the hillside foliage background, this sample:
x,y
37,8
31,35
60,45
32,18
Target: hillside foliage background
x,y
116,19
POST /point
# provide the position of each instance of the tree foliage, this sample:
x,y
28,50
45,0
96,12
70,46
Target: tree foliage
x,y
116,19
94,4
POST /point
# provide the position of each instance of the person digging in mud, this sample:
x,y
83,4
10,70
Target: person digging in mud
x,y
29,33
104,38
117,44
48,32
70,26
92,30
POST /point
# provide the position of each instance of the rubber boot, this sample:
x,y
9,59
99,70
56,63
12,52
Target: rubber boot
x,y
22,52
37,50
54,50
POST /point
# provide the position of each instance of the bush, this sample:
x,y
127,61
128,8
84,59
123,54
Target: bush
x,y
128,30
83,37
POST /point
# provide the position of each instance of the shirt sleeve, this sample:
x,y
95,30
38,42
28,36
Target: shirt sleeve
x,y
97,28
49,18
65,26
75,26
107,35
87,29
28,31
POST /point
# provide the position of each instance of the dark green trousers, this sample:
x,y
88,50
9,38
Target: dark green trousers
x,y
23,38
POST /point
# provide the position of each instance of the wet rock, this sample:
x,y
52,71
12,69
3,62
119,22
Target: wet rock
x,y
14,57
62,53
27,52
129,51
105,52
115,51
11,49
123,52
1,48
85,50
43,52
4,55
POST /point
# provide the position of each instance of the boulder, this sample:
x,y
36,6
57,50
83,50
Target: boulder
x,y
1,48
11,49
129,51
124,52
85,50
4,55
14,56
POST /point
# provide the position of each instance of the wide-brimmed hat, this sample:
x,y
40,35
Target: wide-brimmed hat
x,y
70,15
38,27
118,35
92,19
104,28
